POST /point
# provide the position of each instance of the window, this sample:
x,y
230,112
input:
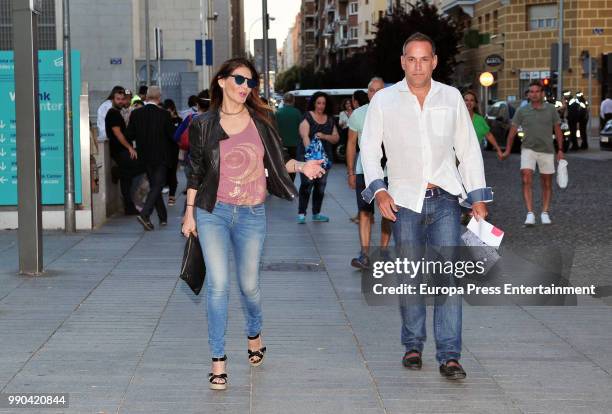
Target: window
x,y
495,26
353,8
380,14
487,23
354,34
46,25
343,32
542,16
367,28
479,23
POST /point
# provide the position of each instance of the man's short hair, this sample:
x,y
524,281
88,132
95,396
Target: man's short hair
x,y
288,98
203,99
153,93
419,37
142,90
361,97
375,79
536,83
116,89
192,101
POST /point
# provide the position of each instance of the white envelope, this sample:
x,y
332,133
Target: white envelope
x,y
488,233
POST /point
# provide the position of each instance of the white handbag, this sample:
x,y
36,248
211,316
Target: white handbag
x,y
562,176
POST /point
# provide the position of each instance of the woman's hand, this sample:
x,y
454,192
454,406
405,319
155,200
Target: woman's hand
x,y
312,169
189,224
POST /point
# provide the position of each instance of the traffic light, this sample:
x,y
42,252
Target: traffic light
x,y
546,85
554,78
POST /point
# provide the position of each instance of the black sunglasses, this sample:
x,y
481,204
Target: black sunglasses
x,y
251,83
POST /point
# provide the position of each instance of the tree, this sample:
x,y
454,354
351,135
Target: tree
x,y
304,76
393,30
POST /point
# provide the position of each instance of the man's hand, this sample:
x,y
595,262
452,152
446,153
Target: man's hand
x,y
133,153
387,206
479,210
560,155
352,181
500,154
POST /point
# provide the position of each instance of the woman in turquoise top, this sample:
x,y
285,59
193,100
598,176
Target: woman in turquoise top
x,y
480,124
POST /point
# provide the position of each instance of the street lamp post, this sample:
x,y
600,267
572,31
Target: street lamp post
x,y
560,53
69,209
266,52
486,79
270,18
147,51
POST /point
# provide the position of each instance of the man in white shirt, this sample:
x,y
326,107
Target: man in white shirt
x,y
356,180
103,110
425,126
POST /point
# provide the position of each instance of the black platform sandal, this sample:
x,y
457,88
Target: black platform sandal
x,y
218,381
256,357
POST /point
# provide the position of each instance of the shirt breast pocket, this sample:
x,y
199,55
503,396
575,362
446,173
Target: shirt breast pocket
x,y
440,121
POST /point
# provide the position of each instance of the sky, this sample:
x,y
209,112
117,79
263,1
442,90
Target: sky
x,y
283,11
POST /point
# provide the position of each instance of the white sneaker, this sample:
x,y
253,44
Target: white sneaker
x,y
545,218
530,219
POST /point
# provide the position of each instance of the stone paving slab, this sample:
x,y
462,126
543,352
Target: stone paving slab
x,y
111,324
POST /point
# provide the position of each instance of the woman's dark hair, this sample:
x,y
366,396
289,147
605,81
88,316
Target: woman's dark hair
x,y
116,89
169,105
344,101
361,97
329,106
471,92
253,101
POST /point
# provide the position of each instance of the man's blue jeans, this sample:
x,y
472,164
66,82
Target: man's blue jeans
x,y
438,224
243,228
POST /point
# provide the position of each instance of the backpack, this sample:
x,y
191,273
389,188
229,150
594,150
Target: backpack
x,y
183,141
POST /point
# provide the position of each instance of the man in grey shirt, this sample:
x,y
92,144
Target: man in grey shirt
x,y
538,119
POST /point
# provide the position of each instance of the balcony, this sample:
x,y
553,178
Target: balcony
x,y
330,7
453,6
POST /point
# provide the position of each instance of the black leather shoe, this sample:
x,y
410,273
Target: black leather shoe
x,y
146,223
452,372
412,360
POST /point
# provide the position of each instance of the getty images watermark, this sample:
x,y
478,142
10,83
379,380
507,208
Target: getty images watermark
x,y
480,275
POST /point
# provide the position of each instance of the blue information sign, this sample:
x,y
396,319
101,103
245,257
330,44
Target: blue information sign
x,y
51,98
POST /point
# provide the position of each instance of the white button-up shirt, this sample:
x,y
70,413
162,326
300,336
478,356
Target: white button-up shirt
x,y
422,146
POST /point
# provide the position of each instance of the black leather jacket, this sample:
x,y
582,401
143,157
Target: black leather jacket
x,y
205,132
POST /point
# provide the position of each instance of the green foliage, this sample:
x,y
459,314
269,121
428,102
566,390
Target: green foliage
x,y
382,55
393,30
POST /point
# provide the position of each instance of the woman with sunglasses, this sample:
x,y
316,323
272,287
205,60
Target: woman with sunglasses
x,y
237,157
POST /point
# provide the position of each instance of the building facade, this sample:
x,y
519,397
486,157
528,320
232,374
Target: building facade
x,y
290,54
516,41
110,37
333,30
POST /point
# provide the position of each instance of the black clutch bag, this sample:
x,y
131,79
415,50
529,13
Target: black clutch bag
x,y
193,268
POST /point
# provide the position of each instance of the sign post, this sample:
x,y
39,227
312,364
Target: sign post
x,y
69,213
27,136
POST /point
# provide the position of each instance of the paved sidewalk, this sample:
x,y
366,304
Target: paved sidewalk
x,y
111,324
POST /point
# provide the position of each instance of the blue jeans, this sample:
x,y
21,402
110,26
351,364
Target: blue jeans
x,y
243,228
438,224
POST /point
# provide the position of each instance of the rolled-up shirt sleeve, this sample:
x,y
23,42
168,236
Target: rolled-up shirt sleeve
x,y
371,151
195,154
471,165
